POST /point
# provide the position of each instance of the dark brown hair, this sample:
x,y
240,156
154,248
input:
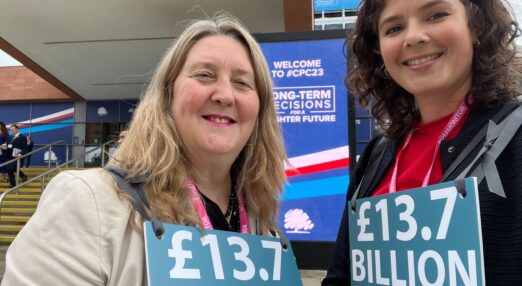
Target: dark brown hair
x,y
3,130
494,73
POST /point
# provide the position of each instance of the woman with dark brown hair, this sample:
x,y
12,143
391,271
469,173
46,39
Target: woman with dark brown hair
x,y
4,140
435,73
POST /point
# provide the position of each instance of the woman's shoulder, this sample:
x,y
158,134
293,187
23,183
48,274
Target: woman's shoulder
x,y
94,184
95,179
81,220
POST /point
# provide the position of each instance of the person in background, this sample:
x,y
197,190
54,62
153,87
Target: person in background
x,y
17,148
212,134
121,136
30,145
424,64
4,141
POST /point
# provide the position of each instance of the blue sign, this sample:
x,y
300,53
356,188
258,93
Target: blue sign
x,y
424,236
127,108
103,111
189,256
312,107
332,5
14,112
45,122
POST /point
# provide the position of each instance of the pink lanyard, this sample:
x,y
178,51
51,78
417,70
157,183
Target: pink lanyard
x,y
202,212
457,116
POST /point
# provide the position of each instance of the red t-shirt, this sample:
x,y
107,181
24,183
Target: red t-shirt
x,y
416,159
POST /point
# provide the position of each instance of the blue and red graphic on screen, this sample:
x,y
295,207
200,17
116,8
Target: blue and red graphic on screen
x,y
46,123
312,106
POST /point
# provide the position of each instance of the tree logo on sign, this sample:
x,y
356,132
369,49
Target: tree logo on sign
x,y
298,221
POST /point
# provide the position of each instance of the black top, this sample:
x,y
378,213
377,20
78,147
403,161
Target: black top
x,y
218,219
501,217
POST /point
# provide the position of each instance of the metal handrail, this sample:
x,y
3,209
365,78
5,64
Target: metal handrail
x,y
18,159
102,148
42,175
34,151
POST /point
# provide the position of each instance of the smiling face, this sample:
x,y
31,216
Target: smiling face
x,y
214,102
427,47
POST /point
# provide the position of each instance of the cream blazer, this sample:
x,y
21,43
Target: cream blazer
x,y
80,234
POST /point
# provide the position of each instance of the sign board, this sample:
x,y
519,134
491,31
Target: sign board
x,y
424,236
189,256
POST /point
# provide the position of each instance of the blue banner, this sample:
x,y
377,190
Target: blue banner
x,y
127,108
103,111
312,108
14,112
45,123
110,110
424,236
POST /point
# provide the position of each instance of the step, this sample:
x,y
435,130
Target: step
x,y
37,169
47,178
24,190
44,169
32,184
7,238
34,173
11,228
9,218
19,204
14,196
18,210
39,180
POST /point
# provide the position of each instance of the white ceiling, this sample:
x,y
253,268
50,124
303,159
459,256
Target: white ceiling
x,y
106,49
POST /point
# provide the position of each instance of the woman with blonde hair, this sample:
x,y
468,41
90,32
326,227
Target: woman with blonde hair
x,y
212,139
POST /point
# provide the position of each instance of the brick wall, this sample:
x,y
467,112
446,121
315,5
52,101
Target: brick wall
x,y
19,84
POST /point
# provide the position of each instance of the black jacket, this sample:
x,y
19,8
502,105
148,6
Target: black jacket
x,y
20,142
501,217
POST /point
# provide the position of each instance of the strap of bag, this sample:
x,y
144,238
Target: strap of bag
x,y
371,169
276,232
497,137
474,143
281,236
378,151
132,186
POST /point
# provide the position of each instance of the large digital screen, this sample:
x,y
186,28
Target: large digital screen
x,y
311,101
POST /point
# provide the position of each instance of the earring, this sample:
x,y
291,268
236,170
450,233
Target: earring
x,y
476,42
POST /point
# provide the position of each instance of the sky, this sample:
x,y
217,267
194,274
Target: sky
x,y
6,60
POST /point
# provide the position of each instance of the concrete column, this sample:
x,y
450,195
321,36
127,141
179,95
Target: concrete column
x,y
80,116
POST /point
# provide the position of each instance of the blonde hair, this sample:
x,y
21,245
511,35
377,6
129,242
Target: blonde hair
x,y
259,168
